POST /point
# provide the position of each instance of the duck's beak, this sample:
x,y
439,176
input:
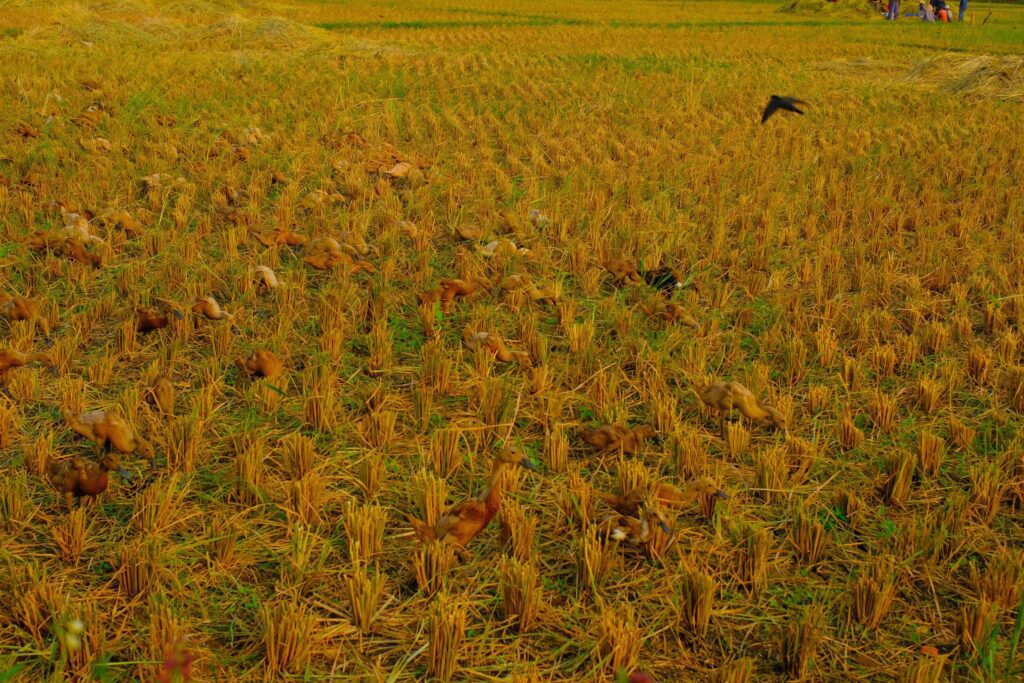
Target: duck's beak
x,y
177,314
530,465
125,474
665,527
722,494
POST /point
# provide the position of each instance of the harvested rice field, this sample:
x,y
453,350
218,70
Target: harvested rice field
x,y
456,340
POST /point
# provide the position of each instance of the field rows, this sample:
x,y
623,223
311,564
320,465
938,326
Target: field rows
x,y
858,268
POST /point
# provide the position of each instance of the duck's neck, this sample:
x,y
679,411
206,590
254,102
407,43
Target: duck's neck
x,y
749,406
690,494
492,497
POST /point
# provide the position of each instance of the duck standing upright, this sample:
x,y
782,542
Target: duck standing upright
x,y
462,523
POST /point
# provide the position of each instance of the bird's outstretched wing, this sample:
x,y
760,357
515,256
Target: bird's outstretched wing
x,y
773,106
776,102
791,105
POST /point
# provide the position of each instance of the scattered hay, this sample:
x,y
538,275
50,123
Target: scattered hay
x,y
202,7
1001,77
242,32
79,26
858,66
213,24
839,8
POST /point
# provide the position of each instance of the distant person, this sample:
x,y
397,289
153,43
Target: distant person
x,y
894,10
963,9
919,13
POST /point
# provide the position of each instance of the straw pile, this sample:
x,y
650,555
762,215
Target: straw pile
x,y
840,8
1001,77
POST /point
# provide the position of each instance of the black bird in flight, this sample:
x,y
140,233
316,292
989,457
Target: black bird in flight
x,y
777,102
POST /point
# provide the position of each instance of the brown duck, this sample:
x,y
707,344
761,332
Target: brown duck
x,y
260,363
615,437
632,530
152,319
17,308
10,359
163,395
495,345
450,289
83,477
728,396
208,307
665,495
462,523
108,429
622,272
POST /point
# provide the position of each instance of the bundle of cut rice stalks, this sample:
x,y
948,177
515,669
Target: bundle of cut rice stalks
x,y
837,8
1001,77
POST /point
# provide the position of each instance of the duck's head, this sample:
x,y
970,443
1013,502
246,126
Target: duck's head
x,y
145,449
513,455
709,488
644,432
777,418
110,462
652,515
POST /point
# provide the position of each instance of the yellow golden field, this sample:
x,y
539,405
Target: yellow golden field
x,y
437,217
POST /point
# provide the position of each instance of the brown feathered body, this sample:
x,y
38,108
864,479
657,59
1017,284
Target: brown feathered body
x,y
266,277
81,477
634,530
616,437
354,243
467,233
728,396
519,282
151,319
495,345
163,395
503,247
325,253
462,523
208,307
450,289
280,237
670,312
623,272
122,219
261,363
665,495
67,243
10,359
17,308
108,429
